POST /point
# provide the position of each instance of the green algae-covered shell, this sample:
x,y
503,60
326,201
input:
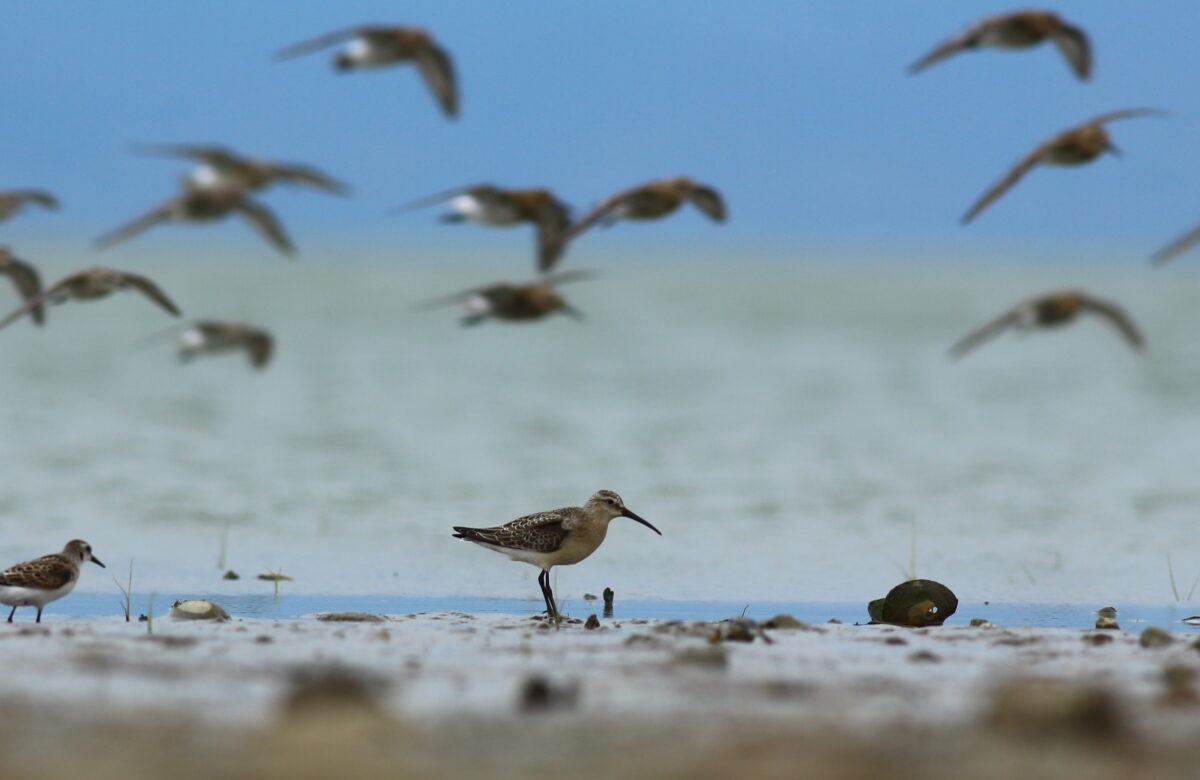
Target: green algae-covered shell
x,y
915,603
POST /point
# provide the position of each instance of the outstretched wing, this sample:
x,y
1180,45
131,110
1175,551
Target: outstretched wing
x,y
1125,113
1072,42
139,225
151,291
481,190
487,290
208,153
438,71
320,42
1118,318
1023,166
549,255
1177,247
259,346
293,173
709,201
262,220
965,39
40,197
27,281
985,333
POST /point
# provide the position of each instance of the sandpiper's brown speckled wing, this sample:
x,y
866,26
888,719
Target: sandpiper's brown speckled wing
x,y
438,71
549,255
208,153
140,225
1072,42
321,41
541,532
263,220
296,173
709,201
1177,247
1023,166
968,37
151,291
1118,318
40,197
27,281
988,331
37,301
50,572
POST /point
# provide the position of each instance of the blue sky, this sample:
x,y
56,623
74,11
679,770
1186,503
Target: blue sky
x,y
801,113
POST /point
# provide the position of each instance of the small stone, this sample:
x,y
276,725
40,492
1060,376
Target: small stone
x,y
895,640
1107,611
784,622
982,623
1049,709
1098,639
1107,623
589,597
351,617
592,623
834,621
539,694
275,576
1154,637
231,575
197,609
925,657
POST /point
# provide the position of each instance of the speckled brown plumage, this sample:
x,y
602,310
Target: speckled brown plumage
x,y
1017,30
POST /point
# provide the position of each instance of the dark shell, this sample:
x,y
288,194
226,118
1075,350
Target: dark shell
x,y
915,603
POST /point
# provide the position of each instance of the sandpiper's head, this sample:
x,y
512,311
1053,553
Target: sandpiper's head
x,y
609,505
81,550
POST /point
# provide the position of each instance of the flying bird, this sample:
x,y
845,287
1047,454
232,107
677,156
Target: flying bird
x,y
216,336
1051,310
222,168
91,284
560,537
25,278
651,200
1176,247
1074,146
488,204
376,45
205,205
12,201
514,302
1017,30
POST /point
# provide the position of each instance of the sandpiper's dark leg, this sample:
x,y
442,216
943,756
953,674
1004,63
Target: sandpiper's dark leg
x,y
548,594
10,614
39,617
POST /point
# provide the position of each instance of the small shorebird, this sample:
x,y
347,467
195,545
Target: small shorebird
x,y
38,582
377,45
12,201
1177,247
1074,146
559,537
506,301
222,168
1050,310
25,278
214,336
1017,30
90,284
488,204
651,200
205,205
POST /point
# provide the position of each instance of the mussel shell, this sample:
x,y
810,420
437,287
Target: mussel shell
x,y
915,603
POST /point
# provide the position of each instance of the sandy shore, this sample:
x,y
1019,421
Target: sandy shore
x,y
455,695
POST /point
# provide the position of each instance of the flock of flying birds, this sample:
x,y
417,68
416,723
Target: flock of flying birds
x,y
224,182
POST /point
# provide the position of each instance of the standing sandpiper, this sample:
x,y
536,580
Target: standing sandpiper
x,y
38,582
559,537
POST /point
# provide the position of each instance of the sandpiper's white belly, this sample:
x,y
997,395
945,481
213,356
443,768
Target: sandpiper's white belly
x,y
524,556
206,177
478,304
32,597
489,212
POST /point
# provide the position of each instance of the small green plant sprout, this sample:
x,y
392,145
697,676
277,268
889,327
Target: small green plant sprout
x,y
276,577
150,615
126,592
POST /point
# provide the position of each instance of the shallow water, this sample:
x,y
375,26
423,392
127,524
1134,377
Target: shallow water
x,y
794,429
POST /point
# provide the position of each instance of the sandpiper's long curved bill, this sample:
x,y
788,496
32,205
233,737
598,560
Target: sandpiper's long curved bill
x,y
96,561
633,516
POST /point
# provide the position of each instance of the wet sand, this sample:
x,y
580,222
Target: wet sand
x,y
453,695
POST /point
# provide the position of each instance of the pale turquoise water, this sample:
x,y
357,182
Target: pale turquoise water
x,y
788,425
